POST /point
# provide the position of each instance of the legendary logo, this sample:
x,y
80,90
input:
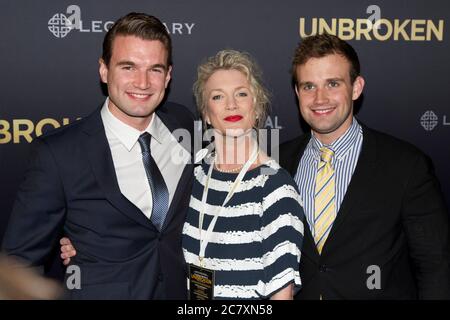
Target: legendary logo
x,y
61,24
429,120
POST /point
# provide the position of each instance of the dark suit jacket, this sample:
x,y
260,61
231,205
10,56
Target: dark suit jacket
x,y
393,216
71,188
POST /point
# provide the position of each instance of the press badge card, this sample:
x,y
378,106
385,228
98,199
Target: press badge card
x,y
201,283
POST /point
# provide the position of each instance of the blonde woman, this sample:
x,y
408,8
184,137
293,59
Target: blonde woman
x,y
244,229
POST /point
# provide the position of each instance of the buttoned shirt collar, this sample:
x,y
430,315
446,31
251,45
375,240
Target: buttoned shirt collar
x,y
126,134
341,145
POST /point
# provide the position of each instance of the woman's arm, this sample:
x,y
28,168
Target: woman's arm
x,y
286,293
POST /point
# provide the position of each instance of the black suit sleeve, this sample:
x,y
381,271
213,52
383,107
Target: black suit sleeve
x,y
426,223
39,210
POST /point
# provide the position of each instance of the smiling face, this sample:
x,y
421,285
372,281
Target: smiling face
x,y
326,95
137,77
230,103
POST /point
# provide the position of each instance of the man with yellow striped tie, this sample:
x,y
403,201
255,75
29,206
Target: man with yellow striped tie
x,y
324,198
377,224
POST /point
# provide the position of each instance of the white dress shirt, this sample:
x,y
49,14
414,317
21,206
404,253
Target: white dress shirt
x,y
127,157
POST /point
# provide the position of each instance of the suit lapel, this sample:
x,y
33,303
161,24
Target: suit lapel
x,y
356,190
309,245
291,158
182,187
186,177
291,153
100,158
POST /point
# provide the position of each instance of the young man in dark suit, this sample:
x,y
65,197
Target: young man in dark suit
x,y
109,181
377,223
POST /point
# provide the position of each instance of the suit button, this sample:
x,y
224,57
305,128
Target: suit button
x,y
323,268
160,277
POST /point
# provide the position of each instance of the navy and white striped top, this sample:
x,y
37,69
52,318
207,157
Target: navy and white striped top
x,y
346,153
256,242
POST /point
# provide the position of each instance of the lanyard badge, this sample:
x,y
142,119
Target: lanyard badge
x,y
201,279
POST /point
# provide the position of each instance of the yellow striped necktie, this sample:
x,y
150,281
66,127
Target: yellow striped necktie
x,y
324,198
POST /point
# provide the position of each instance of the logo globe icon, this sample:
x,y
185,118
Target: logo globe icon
x,y
429,120
59,25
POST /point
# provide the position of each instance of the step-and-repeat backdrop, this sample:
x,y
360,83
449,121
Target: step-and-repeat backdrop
x,y
49,71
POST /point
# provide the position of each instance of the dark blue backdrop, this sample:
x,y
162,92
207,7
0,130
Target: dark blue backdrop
x,y
49,73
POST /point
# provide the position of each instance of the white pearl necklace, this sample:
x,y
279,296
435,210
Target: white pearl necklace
x,y
234,170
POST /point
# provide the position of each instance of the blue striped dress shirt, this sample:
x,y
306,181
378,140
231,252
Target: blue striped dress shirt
x,y
346,149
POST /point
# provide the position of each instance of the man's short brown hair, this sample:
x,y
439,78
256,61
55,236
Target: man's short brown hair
x,y
319,46
140,25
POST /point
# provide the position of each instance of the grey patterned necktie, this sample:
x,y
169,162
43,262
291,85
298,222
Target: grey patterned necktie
x,y
160,194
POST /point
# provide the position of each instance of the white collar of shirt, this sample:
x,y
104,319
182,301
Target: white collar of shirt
x,y
126,134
